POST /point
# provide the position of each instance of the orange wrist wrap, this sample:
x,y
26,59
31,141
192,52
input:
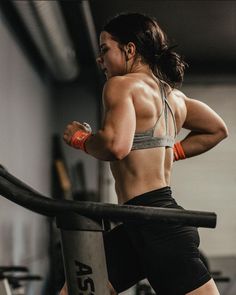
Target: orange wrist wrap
x,y
178,152
79,138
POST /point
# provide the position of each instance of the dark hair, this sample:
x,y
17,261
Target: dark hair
x,y
151,44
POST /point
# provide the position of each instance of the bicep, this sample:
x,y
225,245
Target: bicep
x,y
201,118
119,118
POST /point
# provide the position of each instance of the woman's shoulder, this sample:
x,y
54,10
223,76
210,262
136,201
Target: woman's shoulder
x,y
178,93
123,80
126,83
118,88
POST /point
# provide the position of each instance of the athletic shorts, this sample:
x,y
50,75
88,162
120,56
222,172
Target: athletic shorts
x,y
166,254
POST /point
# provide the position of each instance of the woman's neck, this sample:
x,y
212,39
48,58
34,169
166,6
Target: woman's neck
x,y
138,67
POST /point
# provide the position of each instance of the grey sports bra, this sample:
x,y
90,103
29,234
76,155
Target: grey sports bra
x,y
146,140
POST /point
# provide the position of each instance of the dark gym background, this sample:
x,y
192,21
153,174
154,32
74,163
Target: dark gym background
x,y
48,77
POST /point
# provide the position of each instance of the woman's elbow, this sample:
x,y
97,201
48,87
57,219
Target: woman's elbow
x,y
119,152
225,132
222,132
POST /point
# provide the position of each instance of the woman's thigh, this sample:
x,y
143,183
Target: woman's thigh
x,y
208,288
123,263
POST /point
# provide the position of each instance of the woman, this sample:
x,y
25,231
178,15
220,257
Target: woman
x,y
143,113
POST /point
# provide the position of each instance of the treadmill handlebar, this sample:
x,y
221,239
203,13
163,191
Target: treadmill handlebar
x,y
18,192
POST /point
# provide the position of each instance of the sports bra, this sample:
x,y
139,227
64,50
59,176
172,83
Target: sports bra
x,y
146,140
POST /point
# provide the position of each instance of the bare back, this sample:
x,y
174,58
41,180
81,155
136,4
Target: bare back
x,y
148,169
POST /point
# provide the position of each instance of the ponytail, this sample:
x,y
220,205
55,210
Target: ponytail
x,y
169,66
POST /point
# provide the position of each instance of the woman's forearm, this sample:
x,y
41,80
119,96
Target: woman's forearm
x,y
103,148
196,143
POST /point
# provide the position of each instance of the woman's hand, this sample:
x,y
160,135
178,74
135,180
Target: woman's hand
x,y
72,128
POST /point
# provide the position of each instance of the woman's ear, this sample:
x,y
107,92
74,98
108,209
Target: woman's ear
x,y
130,50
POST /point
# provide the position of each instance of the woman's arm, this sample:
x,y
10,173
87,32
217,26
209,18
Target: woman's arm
x,y
114,140
207,128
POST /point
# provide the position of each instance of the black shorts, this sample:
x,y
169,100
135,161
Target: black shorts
x,y
167,255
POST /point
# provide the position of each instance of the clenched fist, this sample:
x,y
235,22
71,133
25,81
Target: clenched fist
x,y
76,134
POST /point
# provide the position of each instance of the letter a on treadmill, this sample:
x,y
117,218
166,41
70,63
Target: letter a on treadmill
x,y
83,269
84,284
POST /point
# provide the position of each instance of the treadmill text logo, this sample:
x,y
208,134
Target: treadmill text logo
x,y
84,282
